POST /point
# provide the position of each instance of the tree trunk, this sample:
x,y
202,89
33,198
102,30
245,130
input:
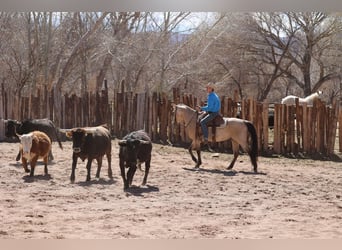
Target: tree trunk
x,y
306,72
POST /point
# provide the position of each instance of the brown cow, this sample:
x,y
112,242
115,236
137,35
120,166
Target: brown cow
x,y
33,146
90,143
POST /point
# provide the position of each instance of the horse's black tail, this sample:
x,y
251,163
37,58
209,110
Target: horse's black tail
x,y
253,151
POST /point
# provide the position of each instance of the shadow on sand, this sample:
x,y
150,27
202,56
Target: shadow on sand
x,y
101,181
139,190
29,179
226,172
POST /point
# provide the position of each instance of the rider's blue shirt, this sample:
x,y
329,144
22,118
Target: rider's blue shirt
x,y
214,103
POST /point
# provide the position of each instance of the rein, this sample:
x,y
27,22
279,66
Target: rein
x,y
192,117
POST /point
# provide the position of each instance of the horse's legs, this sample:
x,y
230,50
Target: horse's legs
x,y
192,155
198,161
235,146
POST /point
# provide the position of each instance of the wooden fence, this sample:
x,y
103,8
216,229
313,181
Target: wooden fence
x,y
297,129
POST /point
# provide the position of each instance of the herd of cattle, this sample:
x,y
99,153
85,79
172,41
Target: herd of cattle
x,y
89,143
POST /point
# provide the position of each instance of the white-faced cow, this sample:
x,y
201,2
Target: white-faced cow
x,y
90,143
33,146
13,128
135,148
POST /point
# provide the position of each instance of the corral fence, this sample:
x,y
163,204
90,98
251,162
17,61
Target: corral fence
x,y
280,129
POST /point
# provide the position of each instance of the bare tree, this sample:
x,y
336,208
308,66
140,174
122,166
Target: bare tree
x,y
120,25
271,47
74,52
313,41
66,68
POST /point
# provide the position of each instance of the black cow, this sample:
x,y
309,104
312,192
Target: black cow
x,y
14,127
135,148
90,143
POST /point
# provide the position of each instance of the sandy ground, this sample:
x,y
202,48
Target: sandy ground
x,y
288,198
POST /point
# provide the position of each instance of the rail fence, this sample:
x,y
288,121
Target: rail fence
x,y
280,129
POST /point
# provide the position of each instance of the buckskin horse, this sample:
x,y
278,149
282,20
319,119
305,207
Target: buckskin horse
x,y
241,132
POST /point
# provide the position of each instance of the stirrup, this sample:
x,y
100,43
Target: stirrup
x,y
210,149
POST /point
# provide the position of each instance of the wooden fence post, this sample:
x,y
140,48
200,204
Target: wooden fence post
x,y
163,105
277,128
154,121
2,113
265,115
305,130
340,129
141,111
332,127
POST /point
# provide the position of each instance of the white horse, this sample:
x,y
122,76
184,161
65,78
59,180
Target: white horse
x,y
291,99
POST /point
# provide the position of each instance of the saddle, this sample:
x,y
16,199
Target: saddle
x,y
216,122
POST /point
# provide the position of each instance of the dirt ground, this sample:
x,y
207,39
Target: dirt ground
x,y
287,199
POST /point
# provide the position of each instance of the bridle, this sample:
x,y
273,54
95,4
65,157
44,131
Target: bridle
x,y
190,120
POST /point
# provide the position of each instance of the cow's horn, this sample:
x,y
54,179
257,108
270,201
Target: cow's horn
x,y
17,134
89,131
144,142
65,130
122,142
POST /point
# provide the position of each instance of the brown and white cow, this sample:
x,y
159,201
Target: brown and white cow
x,y
33,146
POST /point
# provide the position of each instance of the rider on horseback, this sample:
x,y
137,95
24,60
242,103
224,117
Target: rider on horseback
x,y
212,108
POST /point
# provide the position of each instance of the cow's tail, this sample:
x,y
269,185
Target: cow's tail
x,y
253,149
58,138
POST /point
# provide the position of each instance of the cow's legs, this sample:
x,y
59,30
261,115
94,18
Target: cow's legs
x,y
130,174
99,165
45,164
50,156
123,175
147,169
33,165
89,168
74,162
18,156
24,162
109,159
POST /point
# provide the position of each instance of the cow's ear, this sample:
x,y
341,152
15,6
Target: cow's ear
x,y
68,134
144,142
